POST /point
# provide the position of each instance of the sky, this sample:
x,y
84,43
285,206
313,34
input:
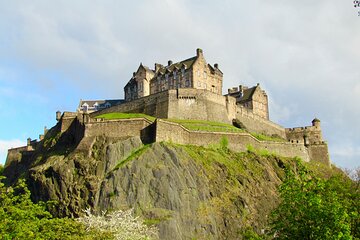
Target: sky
x,y
305,54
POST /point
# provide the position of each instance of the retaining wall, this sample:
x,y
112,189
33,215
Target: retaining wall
x,y
173,132
254,123
116,128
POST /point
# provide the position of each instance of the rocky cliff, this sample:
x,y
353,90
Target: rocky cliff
x,y
188,192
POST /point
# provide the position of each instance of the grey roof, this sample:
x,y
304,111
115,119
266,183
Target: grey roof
x,y
187,63
101,103
246,96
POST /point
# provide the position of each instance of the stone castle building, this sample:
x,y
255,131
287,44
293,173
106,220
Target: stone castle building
x,y
194,72
253,98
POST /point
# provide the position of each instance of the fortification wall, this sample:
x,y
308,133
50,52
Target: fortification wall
x,y
115,128
15,154
67,120
173,132
319,152
154,105
254,123
188,103
312,134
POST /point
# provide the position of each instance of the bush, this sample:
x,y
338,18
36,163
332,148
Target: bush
x,y
20,218
121,224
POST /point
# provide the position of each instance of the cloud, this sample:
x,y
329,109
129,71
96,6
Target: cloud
x,y
7,144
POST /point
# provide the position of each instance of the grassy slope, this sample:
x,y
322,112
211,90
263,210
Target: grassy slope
x,y
116,115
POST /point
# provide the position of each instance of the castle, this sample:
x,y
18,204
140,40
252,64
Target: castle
x,y
189,90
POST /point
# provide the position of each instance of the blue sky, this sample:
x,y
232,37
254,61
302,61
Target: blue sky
x,y
305,54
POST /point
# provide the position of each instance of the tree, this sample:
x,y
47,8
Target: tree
x,y
310,209
20,218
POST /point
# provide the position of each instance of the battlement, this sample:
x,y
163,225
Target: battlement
x,y
307,135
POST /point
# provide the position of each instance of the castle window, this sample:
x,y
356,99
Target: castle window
x,y
187,83
204,74
182,72
166,76
199,84
198,73
174,75
205,86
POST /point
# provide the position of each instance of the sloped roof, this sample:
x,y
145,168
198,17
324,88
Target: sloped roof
x,y
187,63
101,103
247,94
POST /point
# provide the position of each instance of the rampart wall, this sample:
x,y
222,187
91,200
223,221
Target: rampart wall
x,y
66,120
307,135
116,128
254,123
173,132
200,104
154,105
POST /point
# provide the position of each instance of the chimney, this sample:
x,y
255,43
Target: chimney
x,y
199,52
216,66
28,142
170,62
157,67
58,115
241,90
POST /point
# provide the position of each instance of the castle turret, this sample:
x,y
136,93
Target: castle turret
x,y
58,115
316,122
199,52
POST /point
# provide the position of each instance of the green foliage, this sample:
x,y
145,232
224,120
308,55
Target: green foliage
x,y
116,115
1,169
224,143
20,218
206,126
314,208
134,154
263,137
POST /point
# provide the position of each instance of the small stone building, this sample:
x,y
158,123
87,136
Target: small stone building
x,y
89,106
254,99
194,72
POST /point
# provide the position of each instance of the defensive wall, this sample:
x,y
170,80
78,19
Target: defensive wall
x,y
82,128
174,132
200,104
306,135
257,124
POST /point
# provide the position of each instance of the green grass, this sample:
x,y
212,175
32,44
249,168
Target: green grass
x,y
134,154
115,115
207,126
263,137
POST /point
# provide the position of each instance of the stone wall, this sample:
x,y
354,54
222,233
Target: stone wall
x,y
67,120
200,105
306,135
116,128
173,132
154,105
254,123
319,153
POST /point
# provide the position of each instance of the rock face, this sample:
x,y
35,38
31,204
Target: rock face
x,y
186,191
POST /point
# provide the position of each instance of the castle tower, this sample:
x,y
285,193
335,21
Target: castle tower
x,y
316,122
58,115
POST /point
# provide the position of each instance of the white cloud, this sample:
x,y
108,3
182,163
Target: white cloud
x,y
7,144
